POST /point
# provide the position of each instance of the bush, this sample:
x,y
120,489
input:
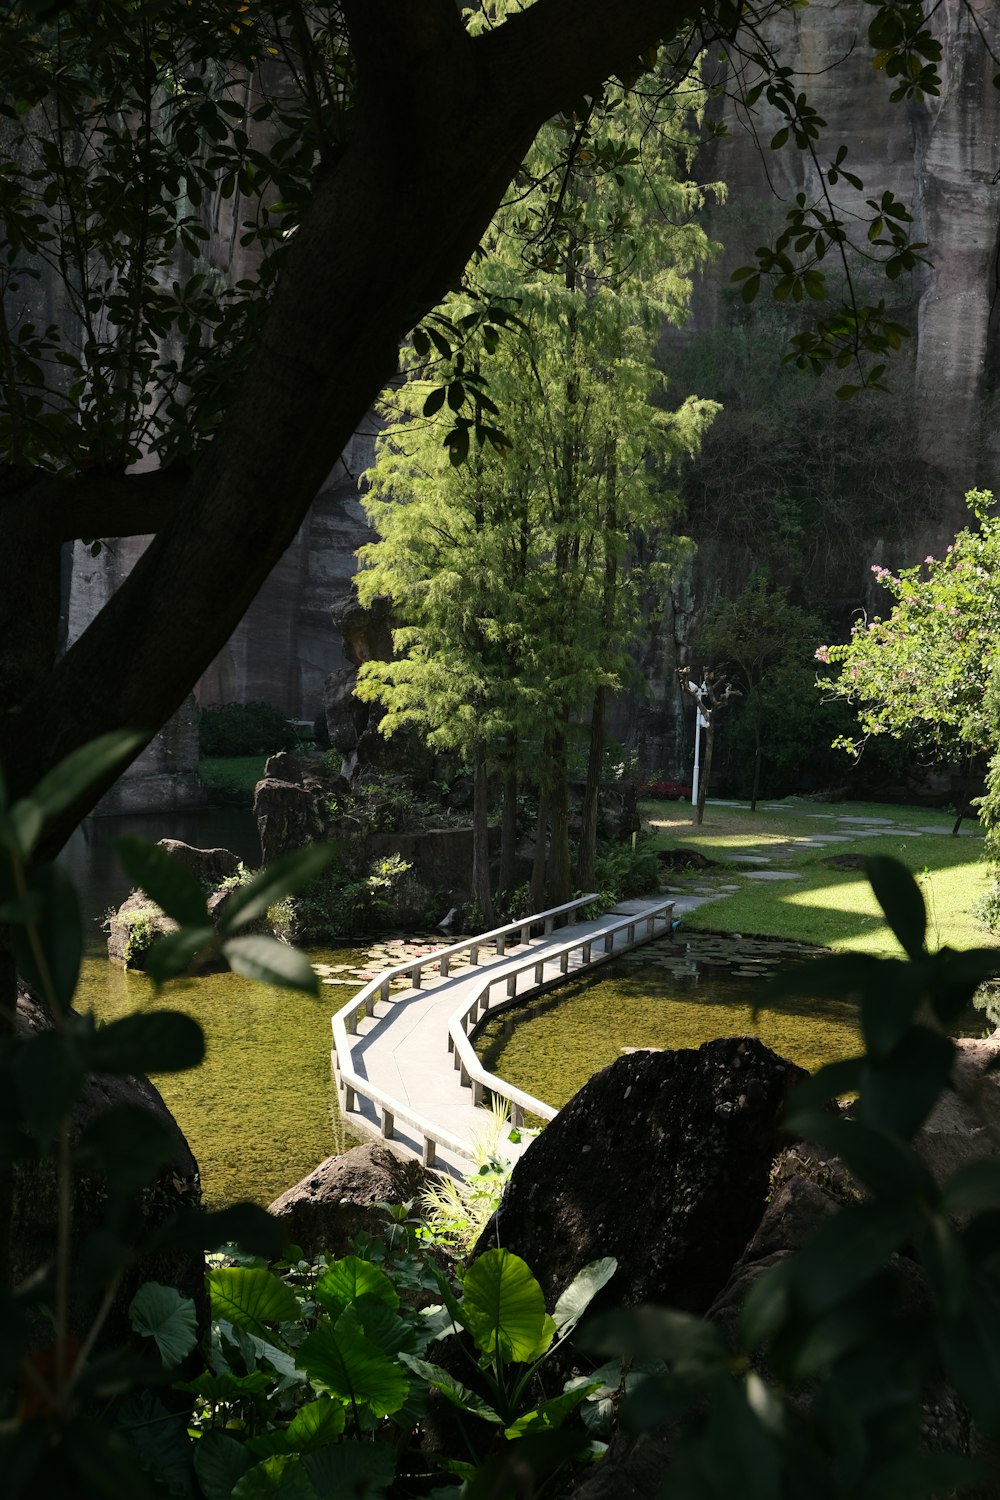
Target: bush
x,y
662,789
624,870
245,729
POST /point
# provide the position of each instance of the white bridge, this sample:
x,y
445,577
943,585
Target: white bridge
x,y
402,1047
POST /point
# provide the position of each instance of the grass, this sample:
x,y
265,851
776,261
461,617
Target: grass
x,y
825,905
232,778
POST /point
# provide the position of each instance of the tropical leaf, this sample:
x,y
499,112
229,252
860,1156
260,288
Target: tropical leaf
x,y
219,1462
251,1298
174,888
503,1308
581,1291
341,1359
170,1320
347,1279
351,1471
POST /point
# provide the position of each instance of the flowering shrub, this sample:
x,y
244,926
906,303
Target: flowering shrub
x,y
660,789
922,671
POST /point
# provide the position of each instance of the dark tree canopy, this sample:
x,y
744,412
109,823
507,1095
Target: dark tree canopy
x,y
392,134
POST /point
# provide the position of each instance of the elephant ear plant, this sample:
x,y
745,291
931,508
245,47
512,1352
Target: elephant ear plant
x,y
502,1309
57,1383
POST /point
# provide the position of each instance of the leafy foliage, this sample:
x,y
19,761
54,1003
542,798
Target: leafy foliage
x,y
923,672
245,729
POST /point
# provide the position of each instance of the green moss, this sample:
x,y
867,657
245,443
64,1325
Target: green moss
x,y
231,779
261,1111
556,1043
142,929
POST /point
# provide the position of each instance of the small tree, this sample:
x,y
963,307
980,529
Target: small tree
x,y
923,672
763,644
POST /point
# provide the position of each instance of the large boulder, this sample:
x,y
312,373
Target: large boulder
x,y
35,1209
341,1197
295,804
662,1160
209,865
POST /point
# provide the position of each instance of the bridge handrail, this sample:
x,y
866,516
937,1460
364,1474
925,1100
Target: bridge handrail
x,y
466,1018
378,988
345,1021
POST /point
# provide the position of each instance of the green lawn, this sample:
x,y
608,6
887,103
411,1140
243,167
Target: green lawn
x,y
231,778
825,905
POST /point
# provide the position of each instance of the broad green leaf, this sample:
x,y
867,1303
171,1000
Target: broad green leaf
x,y
284,876
503,1308
899,897
251,1298
173,953
227,1386
945,1266
347,1279
154,1041
270,962
314,1426
130,1143
972,1188
51,963
383,1325
174,888
552,1413
23,825
219,1462
658,1333
278,1478
83,768
581,1291
458,1394
970,1352
898,1094
339,1358
351,1471
848,1250
828,1083
881,1162
49,1078
843,974
170,1320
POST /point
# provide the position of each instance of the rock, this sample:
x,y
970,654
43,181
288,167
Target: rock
x,y
965,1123
34,1218
294,803
662,1160
340,1197
210,865
133,929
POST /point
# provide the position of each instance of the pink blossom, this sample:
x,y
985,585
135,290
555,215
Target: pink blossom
x,y
928,559
822,653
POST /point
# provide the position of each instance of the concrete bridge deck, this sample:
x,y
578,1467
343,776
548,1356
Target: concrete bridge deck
x,y
397,1075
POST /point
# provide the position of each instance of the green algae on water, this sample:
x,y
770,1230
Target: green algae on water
x,y
551,1046
262,1109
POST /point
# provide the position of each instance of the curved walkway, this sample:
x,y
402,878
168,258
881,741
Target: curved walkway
x,y
401,1059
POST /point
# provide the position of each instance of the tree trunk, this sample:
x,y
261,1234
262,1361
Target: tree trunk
x,y
482,893
757,757
587,853
538,864
559,879
508,833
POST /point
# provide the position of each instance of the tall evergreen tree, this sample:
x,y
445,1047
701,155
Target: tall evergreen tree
x,y
517,578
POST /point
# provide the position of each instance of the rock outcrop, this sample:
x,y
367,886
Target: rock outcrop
x,y
176,1186
340,1198
662,1160
294,804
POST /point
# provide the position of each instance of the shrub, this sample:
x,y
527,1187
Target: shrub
x,y
624,870
662,789
245,729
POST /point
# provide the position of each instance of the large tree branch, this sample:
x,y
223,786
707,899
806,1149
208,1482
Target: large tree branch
x,y
388,231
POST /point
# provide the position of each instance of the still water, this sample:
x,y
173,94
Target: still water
x,y
261,1111
672,993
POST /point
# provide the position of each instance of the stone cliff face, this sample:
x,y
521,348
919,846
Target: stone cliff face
x,y
899,470
829,487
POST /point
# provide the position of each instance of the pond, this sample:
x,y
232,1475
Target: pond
x,y
676,992
261,1111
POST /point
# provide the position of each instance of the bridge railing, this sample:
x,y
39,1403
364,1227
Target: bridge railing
x,y
469,1015
345,1021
